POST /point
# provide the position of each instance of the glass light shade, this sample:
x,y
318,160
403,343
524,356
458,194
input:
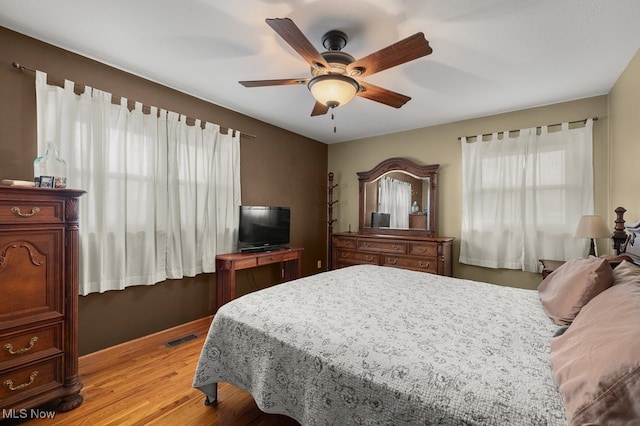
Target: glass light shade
x,y
333,90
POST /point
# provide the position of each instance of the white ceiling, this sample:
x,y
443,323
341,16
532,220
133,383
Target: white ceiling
x,y
489,56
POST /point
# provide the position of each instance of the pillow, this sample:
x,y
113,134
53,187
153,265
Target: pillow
x,y
596,362
626,272
565,291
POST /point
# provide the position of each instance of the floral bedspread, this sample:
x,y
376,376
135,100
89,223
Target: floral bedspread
x,y
377,345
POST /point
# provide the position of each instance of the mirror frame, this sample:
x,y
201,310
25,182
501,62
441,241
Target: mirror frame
x,y
401,164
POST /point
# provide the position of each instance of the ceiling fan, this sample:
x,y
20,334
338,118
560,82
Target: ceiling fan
x,y
334,72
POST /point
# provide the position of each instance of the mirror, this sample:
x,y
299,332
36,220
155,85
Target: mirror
x,y
398,197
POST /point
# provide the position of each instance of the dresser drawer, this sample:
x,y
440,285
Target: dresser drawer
x,y
271,258
249,262
27,381
23,211
382,246
30,343
340,242
356,257
290,255
423,249
416,263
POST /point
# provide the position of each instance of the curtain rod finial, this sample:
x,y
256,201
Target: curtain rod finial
x,y
16,66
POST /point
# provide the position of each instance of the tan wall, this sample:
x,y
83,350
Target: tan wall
x,y
624,109
440,145
278,168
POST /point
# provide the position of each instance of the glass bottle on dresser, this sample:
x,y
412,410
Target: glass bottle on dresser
x,y
50,170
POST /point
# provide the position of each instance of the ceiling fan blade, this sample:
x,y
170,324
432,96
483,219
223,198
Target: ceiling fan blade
x,y
384,96
319,109
281,82
296,39
406,50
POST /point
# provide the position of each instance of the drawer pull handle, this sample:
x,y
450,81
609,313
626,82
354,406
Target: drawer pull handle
x,y
365,244
9,347
34,210
423,249
9,383
423,264
395,247
392,261
345,254
369,258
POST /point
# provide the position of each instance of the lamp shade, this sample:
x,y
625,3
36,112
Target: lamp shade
x,y
592,226
333,90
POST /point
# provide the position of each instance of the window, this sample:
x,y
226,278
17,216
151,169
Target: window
x,y
162,197
523,196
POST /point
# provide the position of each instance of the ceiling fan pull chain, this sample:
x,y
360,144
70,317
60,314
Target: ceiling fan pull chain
x,y
333,118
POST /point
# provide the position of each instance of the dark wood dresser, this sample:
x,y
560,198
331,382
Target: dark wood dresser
x,y
39,299
426,254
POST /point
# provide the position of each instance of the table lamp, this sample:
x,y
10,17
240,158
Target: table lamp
x,y
592,226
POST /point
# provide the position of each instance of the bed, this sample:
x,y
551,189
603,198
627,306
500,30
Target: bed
x,y
377,345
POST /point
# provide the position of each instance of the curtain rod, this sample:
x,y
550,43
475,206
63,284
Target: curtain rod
x,y
20,67
584,121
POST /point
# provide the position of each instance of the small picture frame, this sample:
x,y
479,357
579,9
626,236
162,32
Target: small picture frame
x,y
46,181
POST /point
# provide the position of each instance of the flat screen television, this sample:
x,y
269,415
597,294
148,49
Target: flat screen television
x,y
263,228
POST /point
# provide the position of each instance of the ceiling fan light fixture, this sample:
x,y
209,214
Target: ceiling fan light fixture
x,y
333,90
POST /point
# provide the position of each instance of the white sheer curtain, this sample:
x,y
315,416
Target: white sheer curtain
x,y
523,196
395,198
162,197
204,195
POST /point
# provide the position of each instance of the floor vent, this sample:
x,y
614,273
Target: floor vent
x,y
176,342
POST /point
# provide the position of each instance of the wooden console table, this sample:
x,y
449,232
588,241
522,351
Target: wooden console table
x,y
227,265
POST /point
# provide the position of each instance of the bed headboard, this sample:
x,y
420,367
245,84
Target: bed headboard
x,y
625,235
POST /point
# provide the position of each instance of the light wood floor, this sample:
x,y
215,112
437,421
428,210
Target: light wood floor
x,y
144,382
